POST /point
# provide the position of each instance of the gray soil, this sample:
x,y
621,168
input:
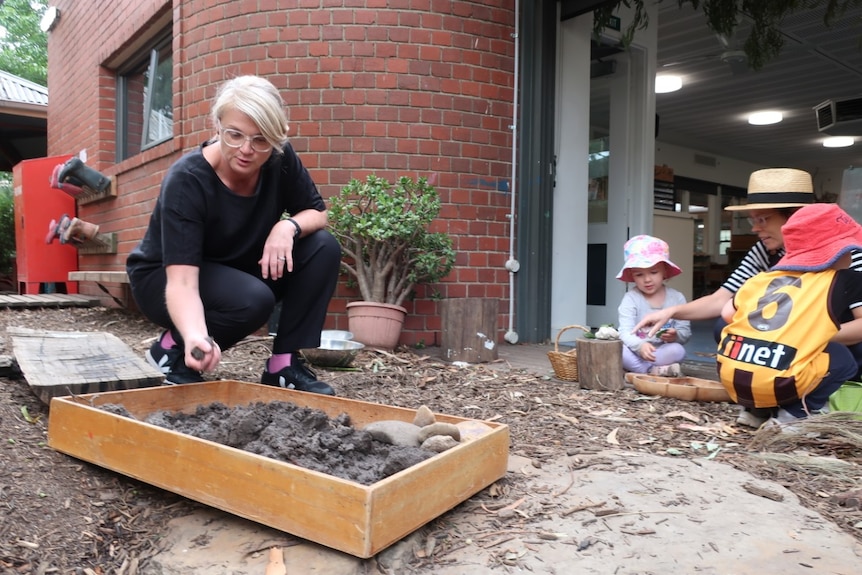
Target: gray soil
x,y
301,436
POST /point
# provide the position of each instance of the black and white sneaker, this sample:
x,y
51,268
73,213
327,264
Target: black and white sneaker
x,y
296,376
171,363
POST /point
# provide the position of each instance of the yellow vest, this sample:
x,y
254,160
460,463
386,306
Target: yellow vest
x,y
771,352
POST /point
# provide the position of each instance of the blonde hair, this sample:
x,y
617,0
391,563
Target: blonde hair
x,y
258,99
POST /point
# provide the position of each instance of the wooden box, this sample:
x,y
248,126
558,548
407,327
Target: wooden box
x,y
357,519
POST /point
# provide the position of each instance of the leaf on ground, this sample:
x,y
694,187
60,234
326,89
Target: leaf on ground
x,y
612,436
27,417
684,415
712,429
565,417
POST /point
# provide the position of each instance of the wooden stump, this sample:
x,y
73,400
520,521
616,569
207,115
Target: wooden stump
x,y
469,329
600,364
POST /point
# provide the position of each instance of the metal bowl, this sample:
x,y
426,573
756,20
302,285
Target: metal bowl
x,y
335,334
333,353
340,344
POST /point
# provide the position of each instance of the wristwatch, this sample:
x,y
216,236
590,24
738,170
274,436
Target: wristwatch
x,y
298,231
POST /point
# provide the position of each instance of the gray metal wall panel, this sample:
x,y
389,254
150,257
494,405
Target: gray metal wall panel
x,y
536,170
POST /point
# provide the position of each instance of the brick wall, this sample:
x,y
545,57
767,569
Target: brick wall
x,y
393,87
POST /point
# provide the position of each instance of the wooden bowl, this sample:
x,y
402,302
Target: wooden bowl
x,y
708,390
684,388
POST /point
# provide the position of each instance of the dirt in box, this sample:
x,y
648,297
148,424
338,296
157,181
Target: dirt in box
x,y
286,432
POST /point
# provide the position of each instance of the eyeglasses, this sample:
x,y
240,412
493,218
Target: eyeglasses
x,y
759,220
236,139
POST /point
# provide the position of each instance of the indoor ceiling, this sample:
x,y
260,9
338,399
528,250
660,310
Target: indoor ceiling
x,y
709,112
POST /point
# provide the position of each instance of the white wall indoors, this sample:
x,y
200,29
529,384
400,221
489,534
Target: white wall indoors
x,y
827,184
682,160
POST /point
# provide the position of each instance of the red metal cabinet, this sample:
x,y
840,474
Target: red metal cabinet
x,y
36,204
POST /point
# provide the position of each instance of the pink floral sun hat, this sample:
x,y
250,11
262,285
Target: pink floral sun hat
x,y
645,252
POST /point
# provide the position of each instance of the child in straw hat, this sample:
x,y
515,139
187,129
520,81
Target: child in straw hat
x,y
648,265
784,346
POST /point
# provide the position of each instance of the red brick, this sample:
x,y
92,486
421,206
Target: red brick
x,y
423,87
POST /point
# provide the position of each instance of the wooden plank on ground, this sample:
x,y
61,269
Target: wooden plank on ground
x,y
58,363
47,300
24,300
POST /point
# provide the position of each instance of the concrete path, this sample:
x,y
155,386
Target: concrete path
x,y
619,512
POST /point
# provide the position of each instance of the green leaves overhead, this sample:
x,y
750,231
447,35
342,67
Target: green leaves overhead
x,y
23,45
764,41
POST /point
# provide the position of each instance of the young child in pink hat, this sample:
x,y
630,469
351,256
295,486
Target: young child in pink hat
x,y
648,265
785,346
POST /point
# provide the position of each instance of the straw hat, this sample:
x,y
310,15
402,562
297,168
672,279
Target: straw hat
x,y
816,236
777,188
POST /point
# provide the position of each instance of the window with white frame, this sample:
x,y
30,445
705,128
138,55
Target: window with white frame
x,y
145,115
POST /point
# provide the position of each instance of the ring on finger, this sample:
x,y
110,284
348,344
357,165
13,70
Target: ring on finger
x,y
282,259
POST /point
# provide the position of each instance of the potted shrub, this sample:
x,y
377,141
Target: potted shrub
x,y
388,249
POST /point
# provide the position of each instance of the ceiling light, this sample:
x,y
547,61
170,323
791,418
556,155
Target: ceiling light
x,y
765,118
838,142
665,83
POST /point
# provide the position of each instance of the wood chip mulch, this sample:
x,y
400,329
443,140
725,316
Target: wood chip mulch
x,y
59,515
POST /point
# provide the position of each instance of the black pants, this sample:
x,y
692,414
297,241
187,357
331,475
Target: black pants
x,y
237,303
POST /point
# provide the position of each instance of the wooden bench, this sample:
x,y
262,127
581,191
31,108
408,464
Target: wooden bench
x,y
99,276
103,277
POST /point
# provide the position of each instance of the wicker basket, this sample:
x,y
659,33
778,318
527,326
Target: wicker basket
x,y
565,363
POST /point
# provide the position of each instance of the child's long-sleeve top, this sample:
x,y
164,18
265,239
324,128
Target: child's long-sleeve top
x,y
634,306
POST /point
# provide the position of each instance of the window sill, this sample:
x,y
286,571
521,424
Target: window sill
x,y
149,155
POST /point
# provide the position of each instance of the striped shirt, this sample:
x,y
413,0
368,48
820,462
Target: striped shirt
x,y
758,259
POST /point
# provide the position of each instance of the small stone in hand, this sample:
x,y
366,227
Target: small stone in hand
x,y
197,353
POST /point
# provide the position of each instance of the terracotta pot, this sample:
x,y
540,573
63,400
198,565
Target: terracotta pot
x,y
376,324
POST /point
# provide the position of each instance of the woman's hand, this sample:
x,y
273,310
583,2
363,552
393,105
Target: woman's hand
x,y
202,353
655,320
277,256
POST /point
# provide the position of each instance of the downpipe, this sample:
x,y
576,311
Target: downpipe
x,y
512,264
